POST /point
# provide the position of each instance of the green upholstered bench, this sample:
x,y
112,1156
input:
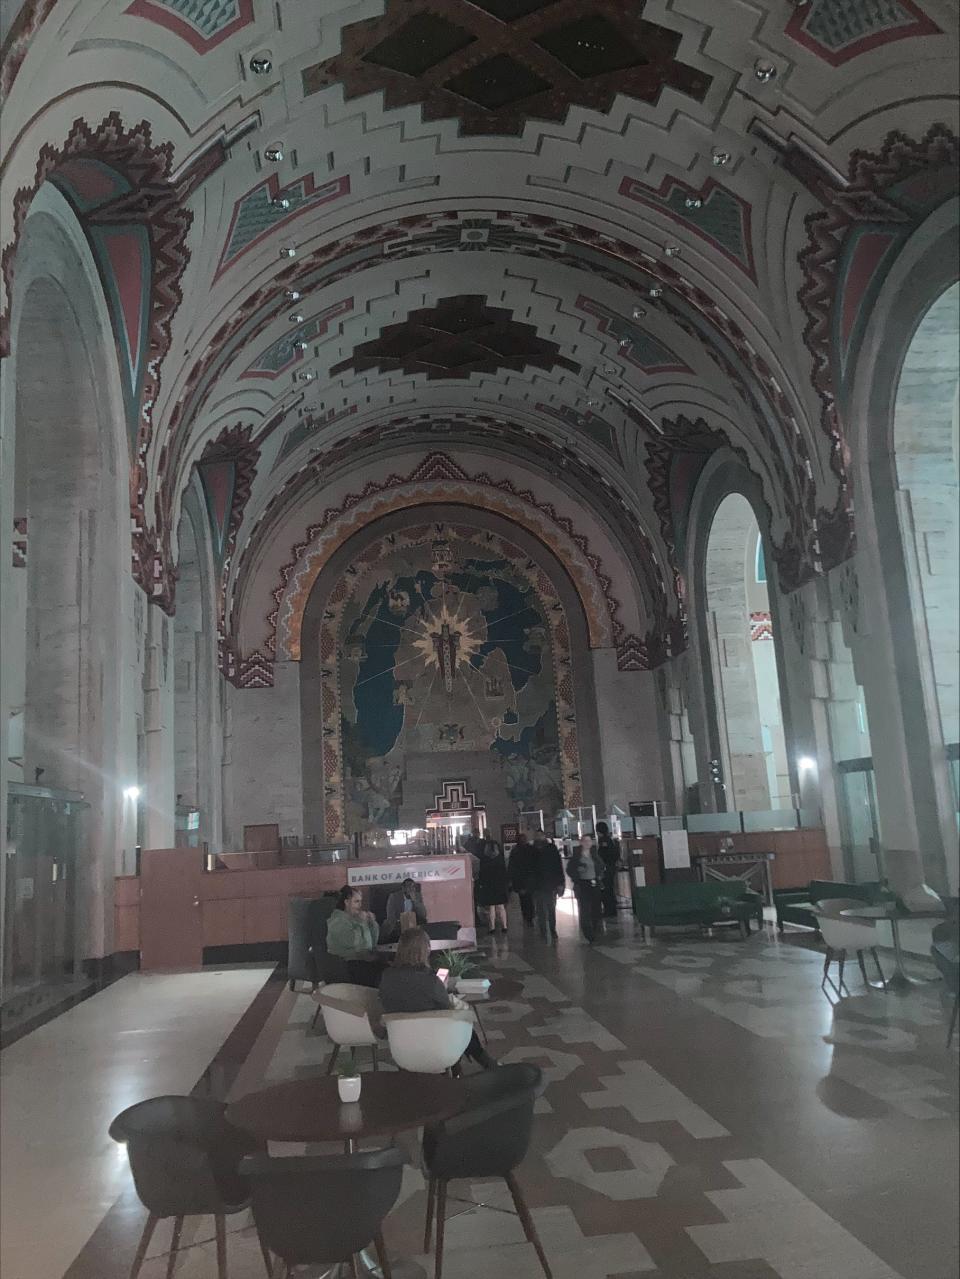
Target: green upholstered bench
x,y
695,903
797,905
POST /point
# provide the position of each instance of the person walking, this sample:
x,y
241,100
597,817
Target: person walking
x,y
521,867
609,853
547,883
493,884
585,874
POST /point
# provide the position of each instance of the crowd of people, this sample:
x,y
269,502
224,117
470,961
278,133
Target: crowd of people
x,y
534,871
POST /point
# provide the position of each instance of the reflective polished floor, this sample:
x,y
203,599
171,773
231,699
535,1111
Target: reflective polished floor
x,y
709,1113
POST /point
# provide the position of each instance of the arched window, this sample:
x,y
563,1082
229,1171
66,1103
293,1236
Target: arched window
x,y
745,660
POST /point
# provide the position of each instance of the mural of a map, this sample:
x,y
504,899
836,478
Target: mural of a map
x,y
443,649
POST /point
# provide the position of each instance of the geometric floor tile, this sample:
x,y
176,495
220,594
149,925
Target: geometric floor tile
x,y
573,1255
647,1163
905,1088
652,1099
574,1026
769,1218
555,1064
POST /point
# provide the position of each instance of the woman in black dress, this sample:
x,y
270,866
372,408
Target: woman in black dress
x,y
493,884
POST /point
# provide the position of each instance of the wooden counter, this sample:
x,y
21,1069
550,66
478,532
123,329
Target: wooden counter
x,y
247,906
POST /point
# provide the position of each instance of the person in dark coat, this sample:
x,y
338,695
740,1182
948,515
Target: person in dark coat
x,y
521,867
609,854
410,985
548,884
585,869
407,899
493,884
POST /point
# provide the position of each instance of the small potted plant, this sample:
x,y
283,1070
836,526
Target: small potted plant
x,y
459,965
348,1079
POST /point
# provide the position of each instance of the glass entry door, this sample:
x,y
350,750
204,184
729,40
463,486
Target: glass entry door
x,y
859,827
43,840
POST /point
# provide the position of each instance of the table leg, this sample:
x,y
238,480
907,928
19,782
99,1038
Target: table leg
x,y
901,979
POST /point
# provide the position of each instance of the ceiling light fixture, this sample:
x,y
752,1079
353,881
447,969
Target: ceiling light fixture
x,y
288,251
624,343
764,71
610,369
274,153
693,202
260,64
281,202
299,345
295,317
292,295
638,312
672,251
655,291
719,158
132,793
305,377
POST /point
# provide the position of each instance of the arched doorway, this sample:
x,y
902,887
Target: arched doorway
x,y
69,664
926,455
744,658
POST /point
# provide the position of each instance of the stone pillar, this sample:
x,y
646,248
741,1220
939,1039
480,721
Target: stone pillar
x,y
262,761
159,796
631,735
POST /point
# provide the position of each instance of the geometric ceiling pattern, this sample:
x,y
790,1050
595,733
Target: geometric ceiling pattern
x,y
455,338
590,243
494,64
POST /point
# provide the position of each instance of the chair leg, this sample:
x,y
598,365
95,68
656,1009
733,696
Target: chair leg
x,y
428,1225
220,1222
382,1255
529,1229
174,1245
826,966
441,1213
842,961
143,1245
863,967
333,1059
373,1056
953,1020
313,1022
264,1252
876,960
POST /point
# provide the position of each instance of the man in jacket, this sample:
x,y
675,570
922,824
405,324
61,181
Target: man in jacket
x,y
522,865
548,884
608,853
584,872
405,900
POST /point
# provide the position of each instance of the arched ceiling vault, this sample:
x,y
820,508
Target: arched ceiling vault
x,y
598,240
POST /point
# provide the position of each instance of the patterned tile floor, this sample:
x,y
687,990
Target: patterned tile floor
x,y
708,1114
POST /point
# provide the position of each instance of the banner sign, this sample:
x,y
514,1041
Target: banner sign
x,y
433,870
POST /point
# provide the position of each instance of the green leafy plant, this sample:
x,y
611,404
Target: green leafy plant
x,y
347,1066
458,962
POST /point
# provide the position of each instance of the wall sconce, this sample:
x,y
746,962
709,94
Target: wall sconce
x,y
806,764
132,793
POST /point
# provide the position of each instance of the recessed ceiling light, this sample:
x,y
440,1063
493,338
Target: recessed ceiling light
x,y
281,202
295,317
260,64
672,251
719,157
693,202
293,295
288,251
638,312
273,153
764,71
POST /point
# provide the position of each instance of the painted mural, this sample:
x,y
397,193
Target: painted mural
x,y
445,647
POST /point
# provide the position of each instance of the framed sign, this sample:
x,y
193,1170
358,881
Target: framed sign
x,y
431,870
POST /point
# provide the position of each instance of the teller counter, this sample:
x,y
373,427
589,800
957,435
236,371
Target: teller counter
x,y
239,904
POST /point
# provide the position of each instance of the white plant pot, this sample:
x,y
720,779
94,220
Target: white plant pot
x,y
348,1087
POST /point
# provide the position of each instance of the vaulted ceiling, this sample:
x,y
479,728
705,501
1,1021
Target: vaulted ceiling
x,y
593,236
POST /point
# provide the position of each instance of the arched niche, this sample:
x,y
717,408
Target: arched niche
x,y
737,686
326,784
900,424
69,661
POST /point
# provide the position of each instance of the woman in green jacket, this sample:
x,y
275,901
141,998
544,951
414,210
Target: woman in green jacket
x,y
352,933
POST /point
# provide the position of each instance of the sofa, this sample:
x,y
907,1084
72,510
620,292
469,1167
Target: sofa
x,y
796,905
697,903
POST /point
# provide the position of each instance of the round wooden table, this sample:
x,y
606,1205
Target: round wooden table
x,y
310,1110
391,1101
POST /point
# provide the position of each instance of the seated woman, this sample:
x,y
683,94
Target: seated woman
x,y
352,933
407,899
410,985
